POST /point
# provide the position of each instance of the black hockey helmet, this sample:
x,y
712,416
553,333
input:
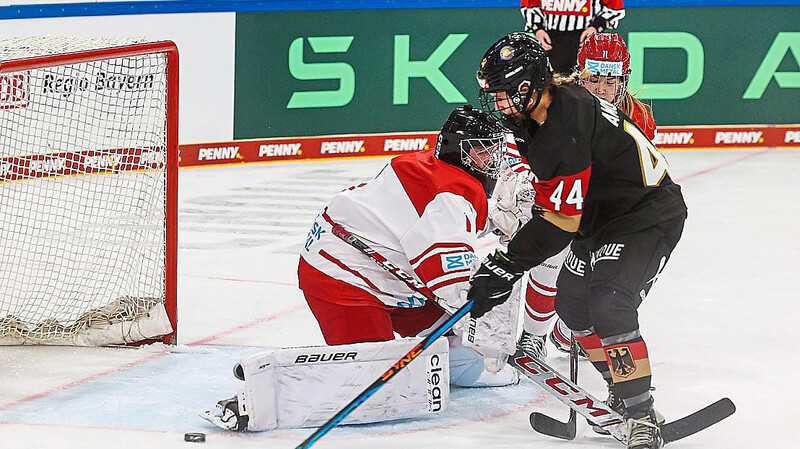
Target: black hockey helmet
x,y
473,141
517,65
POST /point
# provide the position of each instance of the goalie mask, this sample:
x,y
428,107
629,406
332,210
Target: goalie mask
x,y
606,56
473,141
510,72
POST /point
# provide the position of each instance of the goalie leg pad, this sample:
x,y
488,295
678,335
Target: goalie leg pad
x,y
304,387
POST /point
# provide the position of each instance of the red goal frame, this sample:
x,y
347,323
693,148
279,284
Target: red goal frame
x,y
171,51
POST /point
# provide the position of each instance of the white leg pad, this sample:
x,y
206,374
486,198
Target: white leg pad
x,y
304,387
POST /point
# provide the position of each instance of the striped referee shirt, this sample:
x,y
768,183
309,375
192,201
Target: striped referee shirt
x,y
571,15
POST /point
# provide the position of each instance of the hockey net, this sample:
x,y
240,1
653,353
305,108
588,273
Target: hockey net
x,y
88,186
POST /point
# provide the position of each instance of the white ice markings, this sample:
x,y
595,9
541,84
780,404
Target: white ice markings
x,y
273,213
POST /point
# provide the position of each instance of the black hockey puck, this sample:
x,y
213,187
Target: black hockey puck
x,y
195,437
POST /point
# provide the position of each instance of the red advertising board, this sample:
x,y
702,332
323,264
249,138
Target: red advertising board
x,y
360,145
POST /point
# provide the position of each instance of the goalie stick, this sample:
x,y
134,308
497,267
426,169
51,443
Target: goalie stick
x,y
385,377
348,237
550,380
599,413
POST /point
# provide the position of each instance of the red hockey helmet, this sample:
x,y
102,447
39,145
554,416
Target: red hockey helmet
x,y
605,54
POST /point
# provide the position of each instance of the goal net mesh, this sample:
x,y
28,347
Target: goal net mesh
x,y
83,186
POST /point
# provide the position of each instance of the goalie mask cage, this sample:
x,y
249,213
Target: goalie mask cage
x,y
88,191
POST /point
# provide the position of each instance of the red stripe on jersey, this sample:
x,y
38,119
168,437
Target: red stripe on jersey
x,y
450,282
469,225
455,246
564,194
324,287
344,267
327,217
423,176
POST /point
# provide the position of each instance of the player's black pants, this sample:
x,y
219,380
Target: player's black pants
x,y
601,285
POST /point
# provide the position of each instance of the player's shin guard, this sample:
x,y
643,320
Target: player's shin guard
x,y
591,343
629,367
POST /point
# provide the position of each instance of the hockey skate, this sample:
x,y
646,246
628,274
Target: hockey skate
x,y
533,345
227,415
645,432
562,343
616,404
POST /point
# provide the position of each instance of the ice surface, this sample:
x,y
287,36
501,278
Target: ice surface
x,y
722,321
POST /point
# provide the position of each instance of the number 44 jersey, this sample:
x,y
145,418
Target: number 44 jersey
x,y
590,159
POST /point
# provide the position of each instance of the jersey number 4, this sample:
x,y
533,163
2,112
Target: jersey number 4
x,y
654,164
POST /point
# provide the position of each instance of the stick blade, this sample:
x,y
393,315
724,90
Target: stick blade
x,y
553,427
697,421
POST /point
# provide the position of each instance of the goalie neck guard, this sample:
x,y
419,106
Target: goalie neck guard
x,y
473,141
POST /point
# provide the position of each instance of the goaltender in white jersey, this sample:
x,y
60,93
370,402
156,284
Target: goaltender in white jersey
x,y
423,213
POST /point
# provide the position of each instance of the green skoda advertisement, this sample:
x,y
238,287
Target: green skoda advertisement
x,y
341,72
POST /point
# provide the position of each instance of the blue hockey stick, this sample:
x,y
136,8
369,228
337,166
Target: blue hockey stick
x,y
357,243
381,381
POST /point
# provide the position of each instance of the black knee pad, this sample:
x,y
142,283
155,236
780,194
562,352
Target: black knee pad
x,y
612,312
573,311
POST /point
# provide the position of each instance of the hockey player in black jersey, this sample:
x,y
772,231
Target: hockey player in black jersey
x,y
601,184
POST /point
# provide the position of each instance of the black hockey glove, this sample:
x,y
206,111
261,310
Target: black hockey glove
x,y
492,283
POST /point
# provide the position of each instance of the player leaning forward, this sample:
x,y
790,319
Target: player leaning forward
x,y
601,184
423,213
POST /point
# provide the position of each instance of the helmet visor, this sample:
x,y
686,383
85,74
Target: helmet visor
x,y
484,154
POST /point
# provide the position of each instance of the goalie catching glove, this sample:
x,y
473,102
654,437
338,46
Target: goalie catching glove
x,y
492,283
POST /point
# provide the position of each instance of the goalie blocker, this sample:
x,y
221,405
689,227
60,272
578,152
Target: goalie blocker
x,y
304,387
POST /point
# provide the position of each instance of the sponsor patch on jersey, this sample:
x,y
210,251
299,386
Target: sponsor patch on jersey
x,y
458,261
411,302
606,68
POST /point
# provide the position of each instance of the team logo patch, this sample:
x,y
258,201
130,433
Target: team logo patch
x,y
506,53
622,363
458,261
608,68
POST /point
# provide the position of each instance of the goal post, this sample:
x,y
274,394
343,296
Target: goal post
x,y
88,191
